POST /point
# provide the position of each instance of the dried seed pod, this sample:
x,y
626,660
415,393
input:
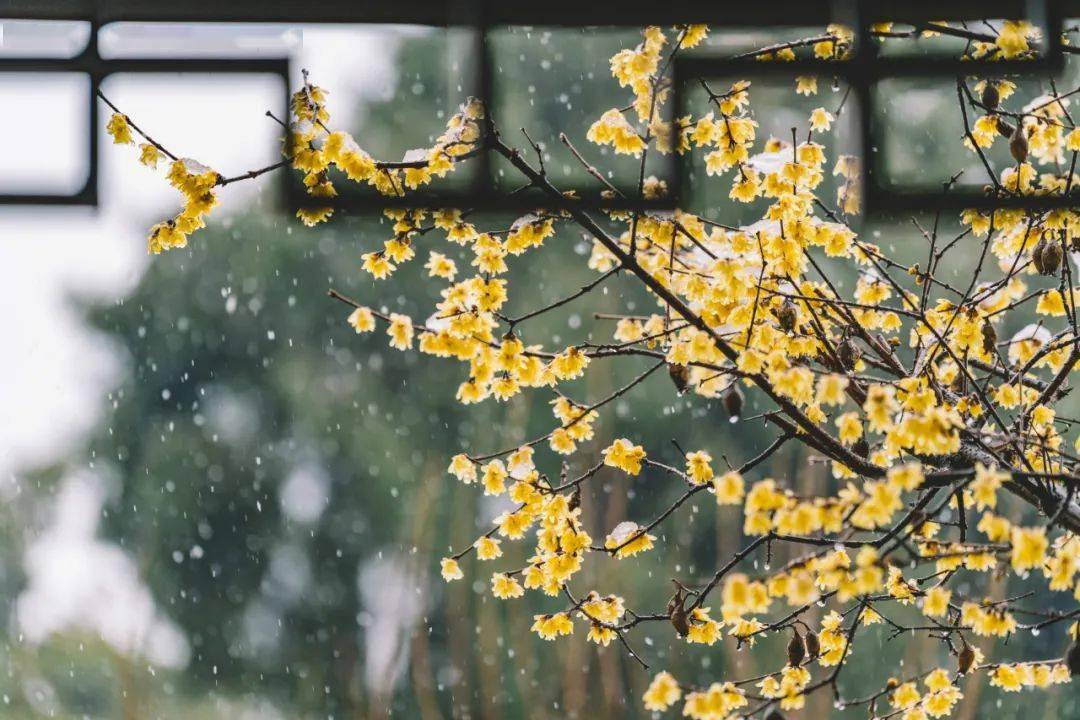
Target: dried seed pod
x,y
775,714
680,375
1051,258
796,649
989,337
813,645
1072,659
677,614
733,403
990,96
965,660
849,354
1018,144
787,315
575,499
1037,255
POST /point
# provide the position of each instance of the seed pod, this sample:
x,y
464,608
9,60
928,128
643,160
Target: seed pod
x,y
775,714
677,614
680,375
733,403
990,96
813,645
965,660
1037,255
1072,660
1018,144
787,315
575,499
989,337
849,354
796,649
1051,258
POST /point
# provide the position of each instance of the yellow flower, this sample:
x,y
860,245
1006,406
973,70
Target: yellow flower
x,y
400,331
550,627
663,692
624,455
362,320
487,548
1012,37
1007,678
830,389
614,129
600,634
504,587
451,570
715,703
703,629
119,129
1051,303
1072,140
729,488
850,428
880,406
629,538
821,120
1028,548
806,85
985,486
494,478
905,696
936,601
698,467
149,155
377,264
313,216
462,468
569,364
694,35
908,476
